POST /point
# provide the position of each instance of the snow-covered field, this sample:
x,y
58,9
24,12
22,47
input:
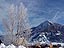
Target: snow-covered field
x,y
21,46
11,46
54,43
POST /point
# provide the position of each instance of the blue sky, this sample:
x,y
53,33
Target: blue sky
x,y
38,10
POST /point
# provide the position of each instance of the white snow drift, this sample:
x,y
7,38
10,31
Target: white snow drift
x,y
10,46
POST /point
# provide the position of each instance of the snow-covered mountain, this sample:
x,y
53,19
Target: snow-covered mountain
x,y
51,30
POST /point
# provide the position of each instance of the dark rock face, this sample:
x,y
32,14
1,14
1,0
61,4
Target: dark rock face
x,y
51,30
0,41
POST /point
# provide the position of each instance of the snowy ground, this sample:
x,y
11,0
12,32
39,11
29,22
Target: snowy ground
x,y
54,43
21,46
11,46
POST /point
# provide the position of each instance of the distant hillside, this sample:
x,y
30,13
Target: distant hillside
x,y
53,31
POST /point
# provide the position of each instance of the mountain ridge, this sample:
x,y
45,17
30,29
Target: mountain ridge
x,y
50,29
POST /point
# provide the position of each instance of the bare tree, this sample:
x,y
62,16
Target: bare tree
x,y
17,22
9,24
23,27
